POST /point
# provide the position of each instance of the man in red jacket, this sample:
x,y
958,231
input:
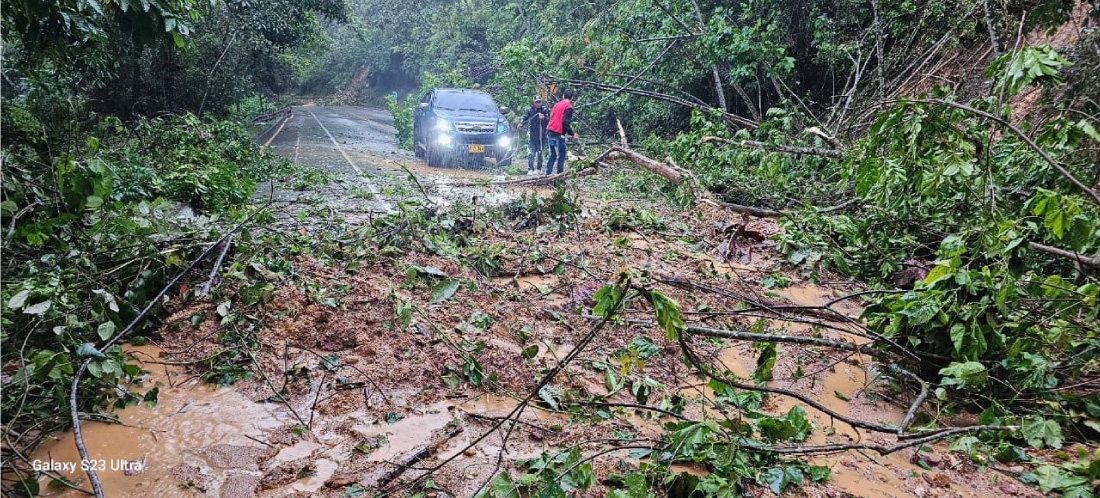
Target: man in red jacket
x,y
559,127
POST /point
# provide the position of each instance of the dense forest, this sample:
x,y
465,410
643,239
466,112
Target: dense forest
x,y
943,155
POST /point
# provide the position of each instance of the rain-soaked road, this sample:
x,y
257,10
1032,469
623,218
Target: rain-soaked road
x,y
358,147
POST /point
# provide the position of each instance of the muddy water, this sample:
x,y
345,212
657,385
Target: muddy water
x,y
860,474
189,416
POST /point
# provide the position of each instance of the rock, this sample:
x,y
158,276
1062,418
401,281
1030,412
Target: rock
x,y
342,479
228,456
1009,488
937,480
238,485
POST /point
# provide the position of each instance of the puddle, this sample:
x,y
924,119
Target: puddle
x,y
406,435
323,469
188,418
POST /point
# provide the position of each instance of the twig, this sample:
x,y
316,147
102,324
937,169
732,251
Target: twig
x,y
217,265
1093,195
789,149
418,456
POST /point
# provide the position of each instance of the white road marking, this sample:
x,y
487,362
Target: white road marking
x,y
281,125
370,187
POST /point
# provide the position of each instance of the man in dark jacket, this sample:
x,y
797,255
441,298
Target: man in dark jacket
x,y
559,127
535,119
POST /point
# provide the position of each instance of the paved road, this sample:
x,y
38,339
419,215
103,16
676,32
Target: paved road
x,y
358,147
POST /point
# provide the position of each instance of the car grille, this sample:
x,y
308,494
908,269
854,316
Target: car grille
x,y
476,127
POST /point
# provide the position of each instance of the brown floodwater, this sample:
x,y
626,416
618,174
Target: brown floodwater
x,y
189,416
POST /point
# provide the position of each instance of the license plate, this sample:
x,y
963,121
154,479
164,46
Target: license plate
x,y
476,148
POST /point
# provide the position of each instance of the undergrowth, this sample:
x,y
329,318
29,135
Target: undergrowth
x,y
96,223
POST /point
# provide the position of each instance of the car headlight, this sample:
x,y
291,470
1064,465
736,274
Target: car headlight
x,y
505,142
442,124
444,139
501,127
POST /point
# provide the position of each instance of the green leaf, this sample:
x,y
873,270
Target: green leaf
x,y
1038,432
444,290
606,298
393,417
106,330
1053,478
668,314
765,362
153,396
970,373
27,487
502,487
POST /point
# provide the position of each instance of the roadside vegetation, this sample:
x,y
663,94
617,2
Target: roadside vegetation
x,y
940,161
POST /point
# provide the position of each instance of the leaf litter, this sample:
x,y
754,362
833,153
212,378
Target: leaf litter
x,y
368,367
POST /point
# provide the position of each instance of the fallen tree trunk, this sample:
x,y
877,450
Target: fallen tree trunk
x,y
657,167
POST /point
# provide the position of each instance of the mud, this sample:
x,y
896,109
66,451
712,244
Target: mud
x,y
192,424
398,392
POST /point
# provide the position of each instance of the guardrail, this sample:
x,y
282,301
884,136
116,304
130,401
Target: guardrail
x,y
263,118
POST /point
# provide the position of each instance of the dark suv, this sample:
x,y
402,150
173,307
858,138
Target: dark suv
x,y
461,127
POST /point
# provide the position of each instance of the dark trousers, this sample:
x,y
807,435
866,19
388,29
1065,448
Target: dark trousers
x,y
556,143
535,147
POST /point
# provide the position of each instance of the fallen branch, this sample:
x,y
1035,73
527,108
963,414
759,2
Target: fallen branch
x,y
74,413
217,265
738,120
1086,262
656,167
419,455
1093,195
789,149
524,182
881,449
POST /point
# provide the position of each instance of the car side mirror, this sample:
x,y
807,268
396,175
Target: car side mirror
x,y
504,109
422,105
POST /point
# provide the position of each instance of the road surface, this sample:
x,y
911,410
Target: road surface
x,y
358,147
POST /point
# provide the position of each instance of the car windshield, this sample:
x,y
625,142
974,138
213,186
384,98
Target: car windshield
x,y
476,102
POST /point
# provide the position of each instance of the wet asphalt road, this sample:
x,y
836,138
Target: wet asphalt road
x,y
358,147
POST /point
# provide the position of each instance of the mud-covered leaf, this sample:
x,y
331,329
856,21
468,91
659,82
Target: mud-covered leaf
x,y
444,290
88,350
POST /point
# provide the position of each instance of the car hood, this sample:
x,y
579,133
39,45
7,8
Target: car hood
x,y
470,117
